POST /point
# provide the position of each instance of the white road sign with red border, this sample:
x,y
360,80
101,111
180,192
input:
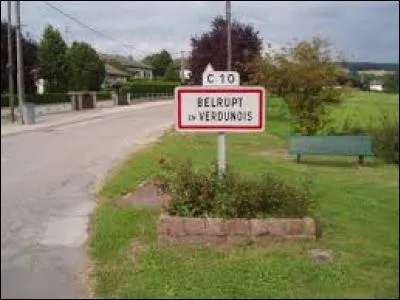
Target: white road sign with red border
x,y
216,109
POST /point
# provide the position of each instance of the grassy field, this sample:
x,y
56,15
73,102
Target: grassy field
x,y
358,210
364,109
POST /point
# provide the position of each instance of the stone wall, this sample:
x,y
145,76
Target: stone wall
x,y
173,229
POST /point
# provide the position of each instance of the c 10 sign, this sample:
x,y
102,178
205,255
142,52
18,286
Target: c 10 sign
x,y
233,109
221,78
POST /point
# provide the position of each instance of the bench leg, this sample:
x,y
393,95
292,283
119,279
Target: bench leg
x,y
298,158
361,159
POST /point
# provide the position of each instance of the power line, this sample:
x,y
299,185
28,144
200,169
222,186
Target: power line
x,y
90,28
126,46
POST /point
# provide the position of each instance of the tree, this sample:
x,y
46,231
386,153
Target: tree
x,y
306,77
52,63
159,61
29,54
86,71
171,74
210,47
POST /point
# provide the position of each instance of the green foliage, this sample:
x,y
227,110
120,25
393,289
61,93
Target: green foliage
x,y
29,52
52,60
47,98
159,61
391,82
86,69
145,86
104,95
171,74
232,195
385,140
305,77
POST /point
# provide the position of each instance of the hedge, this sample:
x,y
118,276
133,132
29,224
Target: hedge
x,y
49,98
103,96
150,87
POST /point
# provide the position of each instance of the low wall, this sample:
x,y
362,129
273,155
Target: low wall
x,y
40,110
173,229
48,109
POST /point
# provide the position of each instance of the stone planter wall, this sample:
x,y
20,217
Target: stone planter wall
x,y
173,229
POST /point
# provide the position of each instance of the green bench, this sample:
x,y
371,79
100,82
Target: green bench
x,y
331,145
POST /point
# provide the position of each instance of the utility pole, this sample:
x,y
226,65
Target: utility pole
x,y
182,66
221,135
20,63
229,30
10,65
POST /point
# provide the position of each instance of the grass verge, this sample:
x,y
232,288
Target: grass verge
x,y
358,210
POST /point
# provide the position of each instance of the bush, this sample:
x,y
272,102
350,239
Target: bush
x,y
305,76
385,141
103,96
197,194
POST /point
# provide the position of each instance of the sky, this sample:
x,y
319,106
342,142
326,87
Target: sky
x,y
362,30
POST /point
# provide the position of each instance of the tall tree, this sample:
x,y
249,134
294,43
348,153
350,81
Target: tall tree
x,y
86,69
159,61
305,76
172,73
52,63
210,47
29,52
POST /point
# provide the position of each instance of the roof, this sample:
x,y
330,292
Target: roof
x,y
128,62
110,70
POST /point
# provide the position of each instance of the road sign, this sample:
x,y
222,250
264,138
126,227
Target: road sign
x,y
220,78
220,109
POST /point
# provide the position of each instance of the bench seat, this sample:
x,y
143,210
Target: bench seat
x,y
331,145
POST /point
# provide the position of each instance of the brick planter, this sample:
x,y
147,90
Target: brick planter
x,y
173,229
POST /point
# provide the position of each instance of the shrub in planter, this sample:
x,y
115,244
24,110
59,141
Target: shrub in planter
x,y
194,194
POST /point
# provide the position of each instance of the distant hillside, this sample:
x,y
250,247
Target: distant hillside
x,y
368,66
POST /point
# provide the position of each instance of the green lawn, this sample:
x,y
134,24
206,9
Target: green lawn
x,y
358,210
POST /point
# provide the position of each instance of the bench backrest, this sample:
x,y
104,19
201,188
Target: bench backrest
x,y
331,145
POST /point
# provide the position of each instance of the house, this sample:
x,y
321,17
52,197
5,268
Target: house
x,y
129,66
187,73
114,75
376,85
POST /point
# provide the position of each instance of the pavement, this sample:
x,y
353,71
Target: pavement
x,y
47,172
59,119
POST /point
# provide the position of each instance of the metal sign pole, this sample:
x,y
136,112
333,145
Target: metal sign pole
x,y
221,135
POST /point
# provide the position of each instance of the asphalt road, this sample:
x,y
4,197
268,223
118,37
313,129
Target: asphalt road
x,y
46,175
